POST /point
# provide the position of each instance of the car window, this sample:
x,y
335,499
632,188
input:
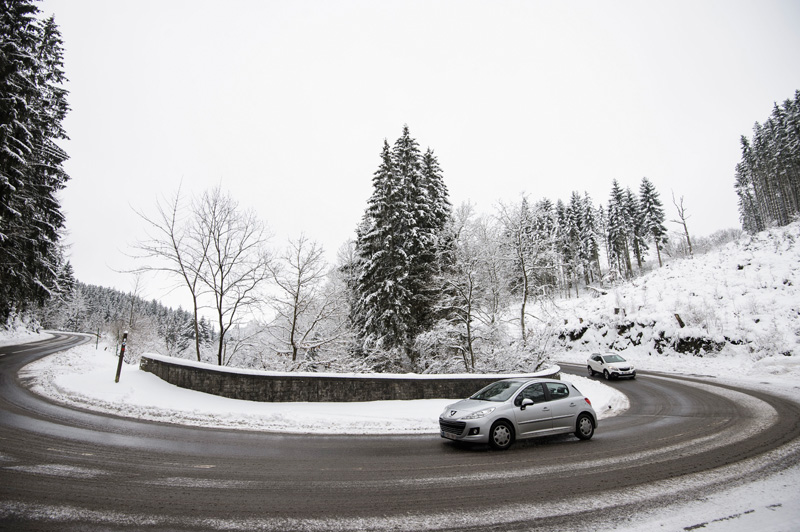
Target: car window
x,y
534,392
557,390
610,359
498,391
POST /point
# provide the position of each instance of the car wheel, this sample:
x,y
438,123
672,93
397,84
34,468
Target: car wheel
x,y
591,371
584,428
501,436
606,375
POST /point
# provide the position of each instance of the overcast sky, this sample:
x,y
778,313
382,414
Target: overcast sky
x,y
286,104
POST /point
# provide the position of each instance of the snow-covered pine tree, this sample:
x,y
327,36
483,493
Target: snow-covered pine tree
x,y
32,108
652,212
638,232
383,306
401,246
619,230
419,237
440,228
590,246
545,231
578,256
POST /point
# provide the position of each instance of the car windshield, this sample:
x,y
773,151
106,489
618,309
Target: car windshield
x,y
610,359
498,391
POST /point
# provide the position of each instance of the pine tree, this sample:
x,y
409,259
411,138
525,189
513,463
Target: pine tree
x,y
545,232
589,241
417,236
384,297
574,229
402,248
32,107
652,212
619,230
638,228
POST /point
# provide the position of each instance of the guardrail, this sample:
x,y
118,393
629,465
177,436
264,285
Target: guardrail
x,y
317,387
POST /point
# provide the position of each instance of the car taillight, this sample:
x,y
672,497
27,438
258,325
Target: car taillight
x,y
587,401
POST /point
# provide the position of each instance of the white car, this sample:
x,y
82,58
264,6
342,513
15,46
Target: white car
x,y
611,366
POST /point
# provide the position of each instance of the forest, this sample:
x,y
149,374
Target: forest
x,y
768,176
423,285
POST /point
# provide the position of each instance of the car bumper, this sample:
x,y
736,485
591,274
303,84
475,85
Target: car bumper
x,y
617,374
463,431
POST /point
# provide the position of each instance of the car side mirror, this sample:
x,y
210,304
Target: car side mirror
x,y
526,403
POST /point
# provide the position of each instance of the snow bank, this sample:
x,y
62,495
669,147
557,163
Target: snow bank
x,y
84,377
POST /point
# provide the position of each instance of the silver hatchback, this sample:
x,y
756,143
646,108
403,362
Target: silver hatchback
x,y
515,409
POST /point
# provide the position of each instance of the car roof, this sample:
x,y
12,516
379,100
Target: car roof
x,y
530,379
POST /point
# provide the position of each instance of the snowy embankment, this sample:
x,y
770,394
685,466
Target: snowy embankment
x,y
84,377
737,305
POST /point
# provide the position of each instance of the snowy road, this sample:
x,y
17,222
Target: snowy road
x,y
67,469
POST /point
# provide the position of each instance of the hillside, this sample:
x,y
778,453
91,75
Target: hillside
x,y
741,301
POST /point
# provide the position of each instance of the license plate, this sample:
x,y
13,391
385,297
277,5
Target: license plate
x,y
448,435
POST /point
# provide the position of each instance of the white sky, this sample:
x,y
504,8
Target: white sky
x,y
286,105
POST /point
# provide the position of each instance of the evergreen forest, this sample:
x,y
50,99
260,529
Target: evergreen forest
x,y
768,176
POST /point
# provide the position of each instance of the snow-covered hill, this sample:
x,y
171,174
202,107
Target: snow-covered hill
x,y
740,303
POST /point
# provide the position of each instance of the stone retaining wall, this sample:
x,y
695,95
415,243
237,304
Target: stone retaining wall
x,y
287,387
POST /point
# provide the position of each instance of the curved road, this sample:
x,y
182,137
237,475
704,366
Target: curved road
x,y
69,469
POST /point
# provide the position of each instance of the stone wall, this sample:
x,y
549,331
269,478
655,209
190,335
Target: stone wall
x,y
287,387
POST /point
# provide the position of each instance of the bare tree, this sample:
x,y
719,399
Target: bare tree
x,y
524,254
461,282
302,304
682,217
237,262
180,249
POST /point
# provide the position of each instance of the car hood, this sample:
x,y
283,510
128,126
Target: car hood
x,y
465,407
619,365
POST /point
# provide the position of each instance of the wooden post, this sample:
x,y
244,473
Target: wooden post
x,y
121,355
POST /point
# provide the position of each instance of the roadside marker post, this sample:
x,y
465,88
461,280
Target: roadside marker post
x,y
121,355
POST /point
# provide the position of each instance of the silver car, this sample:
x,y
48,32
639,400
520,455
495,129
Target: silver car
x,y
515,409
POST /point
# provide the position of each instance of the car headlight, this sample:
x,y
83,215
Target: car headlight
x,y
480,413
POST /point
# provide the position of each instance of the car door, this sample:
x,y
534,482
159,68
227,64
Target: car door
x,y
563,407
535,418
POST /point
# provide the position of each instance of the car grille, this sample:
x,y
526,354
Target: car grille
x,y
624,369
452,427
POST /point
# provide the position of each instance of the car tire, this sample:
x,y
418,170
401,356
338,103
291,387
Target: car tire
x,y
584,427
606,375
591,371
501,436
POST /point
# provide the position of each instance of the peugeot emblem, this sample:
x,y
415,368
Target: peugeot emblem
x,y
453,412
